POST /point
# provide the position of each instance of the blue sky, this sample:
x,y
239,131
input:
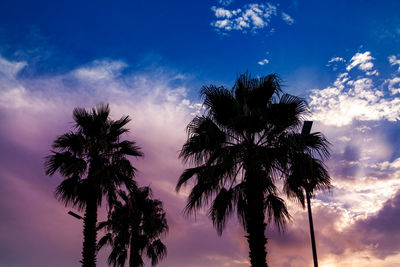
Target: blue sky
x,y
179,35
149,59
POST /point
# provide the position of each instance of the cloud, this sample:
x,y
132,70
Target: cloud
x,y
287,18
336,59
263,62
251,17
100,70
394,85
362,60
225,2
393,60
349,99
37,109
380,232
334,62
10,69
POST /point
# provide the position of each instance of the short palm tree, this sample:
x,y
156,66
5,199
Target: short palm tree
x,y
135,225
239,147
92,158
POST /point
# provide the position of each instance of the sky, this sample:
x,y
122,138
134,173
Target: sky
x,y
149,59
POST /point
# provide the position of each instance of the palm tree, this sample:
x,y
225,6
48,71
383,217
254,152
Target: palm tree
x,y
93,161
239,147
308,174
137,226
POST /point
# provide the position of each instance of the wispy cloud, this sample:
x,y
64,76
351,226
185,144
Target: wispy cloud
x,y
225,2
287,18
394,61
334,62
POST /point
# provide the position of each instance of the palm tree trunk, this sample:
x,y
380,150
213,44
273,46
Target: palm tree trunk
x,y
89,234
314,247
134,257
132,253
256,227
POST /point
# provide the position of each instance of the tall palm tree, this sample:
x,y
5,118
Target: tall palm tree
x,y
239,147
135,225
92,158
308,174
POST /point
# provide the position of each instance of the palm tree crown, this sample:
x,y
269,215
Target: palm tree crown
x,y
306,175
92,160
136,224
239,147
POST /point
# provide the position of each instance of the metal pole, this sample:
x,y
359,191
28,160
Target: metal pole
x,y
306,130
73,214
314,247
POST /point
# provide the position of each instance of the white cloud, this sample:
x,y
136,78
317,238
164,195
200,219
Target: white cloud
x,y
224,24
336,59
385,165
350,99
374,72
221,12
394,61
394,85
287,18
263,62
362,60
251,18
334,62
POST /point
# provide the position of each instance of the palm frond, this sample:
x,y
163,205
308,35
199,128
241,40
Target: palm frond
x,y
221,208
287,114
105,240
277,211
66,163
204,138
220,104
264,90
156,251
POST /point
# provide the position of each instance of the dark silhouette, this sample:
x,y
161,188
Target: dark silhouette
x,y
308,173
135,225
92,159
240,146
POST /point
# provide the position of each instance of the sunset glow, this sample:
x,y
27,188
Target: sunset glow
x,y
149,60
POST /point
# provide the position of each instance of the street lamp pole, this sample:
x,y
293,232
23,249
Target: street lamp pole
x,y
73,214
306,130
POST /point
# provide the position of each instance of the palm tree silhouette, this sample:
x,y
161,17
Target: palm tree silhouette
x,y
239,147
92,159
135,225
308,173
